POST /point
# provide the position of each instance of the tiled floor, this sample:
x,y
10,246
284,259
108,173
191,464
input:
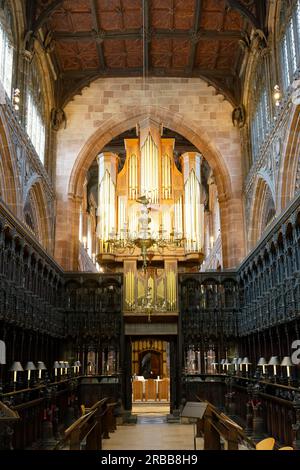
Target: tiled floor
x,y
142,408
152,432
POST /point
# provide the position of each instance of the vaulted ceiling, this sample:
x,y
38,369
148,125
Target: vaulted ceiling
x,y
88,39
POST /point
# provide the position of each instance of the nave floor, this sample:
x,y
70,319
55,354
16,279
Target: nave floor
x,y
152,432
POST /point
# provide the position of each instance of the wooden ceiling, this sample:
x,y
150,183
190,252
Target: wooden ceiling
x,y
177,38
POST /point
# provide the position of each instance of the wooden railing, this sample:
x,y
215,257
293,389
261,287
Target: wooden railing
x,y
8,418
87,432
44,410
216,425
263,408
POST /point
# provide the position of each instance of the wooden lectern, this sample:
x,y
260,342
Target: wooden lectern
x,y
194,409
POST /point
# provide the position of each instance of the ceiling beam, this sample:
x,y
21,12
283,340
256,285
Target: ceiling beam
x,y
96,27
45,15
204,35
112,72
197,15
261,12
33,25
245,12
146,36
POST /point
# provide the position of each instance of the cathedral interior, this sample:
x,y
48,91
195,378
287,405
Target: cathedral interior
x,y
149,220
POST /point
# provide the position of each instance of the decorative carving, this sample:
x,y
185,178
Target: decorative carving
x,y
259,41
58,118
48,43
239,116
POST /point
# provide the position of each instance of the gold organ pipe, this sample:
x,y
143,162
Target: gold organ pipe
x,y
149,166
149,170
156,166
130,178
135,177
165,178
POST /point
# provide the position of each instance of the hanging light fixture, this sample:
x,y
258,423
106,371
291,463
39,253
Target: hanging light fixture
x,y
144,239
277,95
16,99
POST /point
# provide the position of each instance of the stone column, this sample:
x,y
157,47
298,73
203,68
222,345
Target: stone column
x,y
67,229
232,229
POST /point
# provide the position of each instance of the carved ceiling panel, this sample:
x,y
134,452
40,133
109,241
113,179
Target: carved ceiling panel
x,y
173,14
207,53
95,38
74,16
226,57
115,15
78,55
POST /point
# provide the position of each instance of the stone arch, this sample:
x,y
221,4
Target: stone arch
x,y
262,211
289,174
170,120
110,107
35,210
10,193
112,129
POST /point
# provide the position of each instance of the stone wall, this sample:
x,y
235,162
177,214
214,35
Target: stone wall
x,y
113,105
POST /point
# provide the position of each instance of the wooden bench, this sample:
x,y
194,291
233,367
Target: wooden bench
x,y
93,426
216,425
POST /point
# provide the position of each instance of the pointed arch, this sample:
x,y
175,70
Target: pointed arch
x,y
262,211
289,174
111,129
10,191
36,211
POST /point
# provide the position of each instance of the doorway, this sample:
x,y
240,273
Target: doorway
x,y
150,364
151,373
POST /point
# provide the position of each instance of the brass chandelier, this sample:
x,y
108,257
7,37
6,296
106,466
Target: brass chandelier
x,y
144,238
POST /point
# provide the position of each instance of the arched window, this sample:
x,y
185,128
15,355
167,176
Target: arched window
x,y
6,51
35,125
289,47
261,114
